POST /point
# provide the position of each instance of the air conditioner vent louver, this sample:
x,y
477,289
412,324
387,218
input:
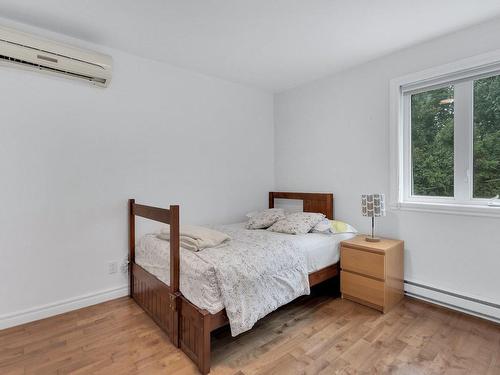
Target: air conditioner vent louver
x,y
29,52
54,70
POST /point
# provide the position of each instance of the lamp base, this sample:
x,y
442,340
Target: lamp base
x,y
372,239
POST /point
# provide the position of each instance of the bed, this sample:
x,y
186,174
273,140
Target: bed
x,y
198,282
179,289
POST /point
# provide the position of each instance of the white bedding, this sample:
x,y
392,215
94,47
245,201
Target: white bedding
x,y
198,278
256,272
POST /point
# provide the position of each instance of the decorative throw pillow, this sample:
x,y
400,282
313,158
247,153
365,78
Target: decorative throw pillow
x,y
265,219
338,227
297,223
253,213
333,226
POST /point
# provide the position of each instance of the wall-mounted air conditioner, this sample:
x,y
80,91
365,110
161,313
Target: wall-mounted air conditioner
x,y
34,53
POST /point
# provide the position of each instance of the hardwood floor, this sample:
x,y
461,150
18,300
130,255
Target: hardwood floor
x,y
315,335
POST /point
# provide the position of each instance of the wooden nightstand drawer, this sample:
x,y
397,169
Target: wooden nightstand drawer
x,y
362,288
363,262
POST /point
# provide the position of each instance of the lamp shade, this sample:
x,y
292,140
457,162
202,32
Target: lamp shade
x,y
373,205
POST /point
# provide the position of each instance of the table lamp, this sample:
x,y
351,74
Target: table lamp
x,y
373,205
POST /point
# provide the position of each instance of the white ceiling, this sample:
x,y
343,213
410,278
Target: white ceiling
x,y
272,44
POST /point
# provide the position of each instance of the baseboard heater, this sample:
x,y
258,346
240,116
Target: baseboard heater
x,y
469,305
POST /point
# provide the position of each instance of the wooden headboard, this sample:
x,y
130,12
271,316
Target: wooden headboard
x,y
313,202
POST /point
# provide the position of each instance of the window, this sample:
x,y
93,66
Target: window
x,y
486,137
432,125
447,127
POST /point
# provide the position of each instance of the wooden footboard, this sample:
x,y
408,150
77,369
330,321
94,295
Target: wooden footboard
x,y
155,298
187,326
159,300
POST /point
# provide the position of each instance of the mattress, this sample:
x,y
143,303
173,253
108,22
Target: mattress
x,y
198,282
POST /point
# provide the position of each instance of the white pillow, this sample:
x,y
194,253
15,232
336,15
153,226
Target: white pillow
x,y
264,219
339,227
297,223
333,226
322,227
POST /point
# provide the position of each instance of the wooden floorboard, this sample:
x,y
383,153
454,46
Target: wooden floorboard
x,y
314,335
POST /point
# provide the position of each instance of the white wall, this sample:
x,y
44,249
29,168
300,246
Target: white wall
x,y
71,155
333,135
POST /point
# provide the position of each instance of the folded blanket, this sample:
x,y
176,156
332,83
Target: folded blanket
x,y
196,238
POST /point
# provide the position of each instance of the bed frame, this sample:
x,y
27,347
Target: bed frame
x,y
188,326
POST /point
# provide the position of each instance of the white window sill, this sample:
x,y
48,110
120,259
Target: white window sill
x,y
448,208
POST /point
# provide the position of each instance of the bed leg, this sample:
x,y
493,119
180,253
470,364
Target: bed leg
x,y
206,352
175,304
195,326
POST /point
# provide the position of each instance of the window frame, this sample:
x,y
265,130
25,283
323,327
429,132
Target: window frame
x,y
461,75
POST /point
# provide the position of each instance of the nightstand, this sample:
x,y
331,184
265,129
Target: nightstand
x,y
372,272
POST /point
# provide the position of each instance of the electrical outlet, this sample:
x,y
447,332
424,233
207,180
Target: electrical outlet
x,y
112,267
124,266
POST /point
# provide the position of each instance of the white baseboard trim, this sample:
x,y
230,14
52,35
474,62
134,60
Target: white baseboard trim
x,y
45,311
466,304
